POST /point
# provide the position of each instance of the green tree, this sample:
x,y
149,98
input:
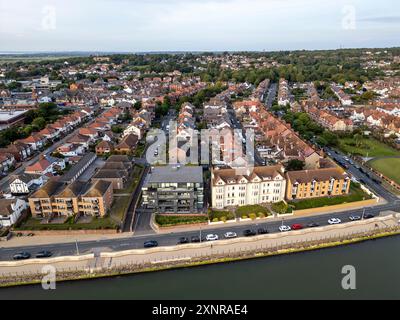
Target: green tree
x,y
280,207
39,123
295,165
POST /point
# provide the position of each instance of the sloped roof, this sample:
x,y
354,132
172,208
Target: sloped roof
x,y
98,189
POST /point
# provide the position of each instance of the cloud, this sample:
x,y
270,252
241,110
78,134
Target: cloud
x,y
154,25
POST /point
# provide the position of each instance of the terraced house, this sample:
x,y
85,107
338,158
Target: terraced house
x,y
230,187
308,184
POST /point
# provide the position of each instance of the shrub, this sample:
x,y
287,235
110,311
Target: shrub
x,y
261,215
244,216
252,216
223,219
215,220
246,210
220,214
280,207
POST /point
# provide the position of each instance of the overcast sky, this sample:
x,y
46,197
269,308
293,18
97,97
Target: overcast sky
x,y
196,25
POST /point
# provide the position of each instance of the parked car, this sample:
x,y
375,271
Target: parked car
x,y
354,218
312,225
334,221
297,226
22,256
183,240
376,181
195,239
212,237
284,228
151,244
44,254
230,235
249,233
262,231
369,216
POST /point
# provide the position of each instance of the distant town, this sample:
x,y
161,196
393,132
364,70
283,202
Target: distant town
x,y
76,136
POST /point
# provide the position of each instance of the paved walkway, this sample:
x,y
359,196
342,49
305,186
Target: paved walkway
x,y
195,251
43,240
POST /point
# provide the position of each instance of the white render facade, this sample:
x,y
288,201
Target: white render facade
x,y
247,190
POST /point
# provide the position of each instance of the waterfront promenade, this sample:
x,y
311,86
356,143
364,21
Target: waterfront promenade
x,y
106,261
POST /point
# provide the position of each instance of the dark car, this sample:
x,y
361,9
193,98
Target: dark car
x,y
362,170
151,244
43,254
312,225
376,181
369,216
249,233
262,231
195,239
22,256
183,240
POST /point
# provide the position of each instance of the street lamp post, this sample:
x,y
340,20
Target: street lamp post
x,y
77,249
363,214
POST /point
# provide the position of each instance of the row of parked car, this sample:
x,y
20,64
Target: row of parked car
x,y
26,255
260,231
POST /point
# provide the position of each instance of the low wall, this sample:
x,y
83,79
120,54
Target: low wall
x,y
47,261
244,240
160,229
65,232
339,207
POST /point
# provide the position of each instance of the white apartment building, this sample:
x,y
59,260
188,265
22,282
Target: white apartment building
x,y
229,188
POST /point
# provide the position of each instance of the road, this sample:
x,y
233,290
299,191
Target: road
x,y
171,239
366,177
130,217
273,89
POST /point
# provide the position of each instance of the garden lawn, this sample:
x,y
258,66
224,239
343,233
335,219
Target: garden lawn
x,y
95,224
119,207
368,147
356,194
390,167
